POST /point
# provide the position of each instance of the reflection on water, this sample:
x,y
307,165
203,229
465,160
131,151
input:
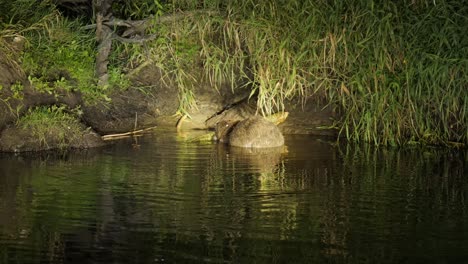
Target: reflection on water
x,y
170,201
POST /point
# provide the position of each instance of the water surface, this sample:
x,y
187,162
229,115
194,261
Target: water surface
x,y
169,201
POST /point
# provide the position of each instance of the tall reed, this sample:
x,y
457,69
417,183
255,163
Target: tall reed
x,y
397,71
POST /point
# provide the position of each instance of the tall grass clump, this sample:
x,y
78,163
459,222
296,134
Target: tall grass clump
x,y
396,71
51,126
61,51
17,20
57,51
175,52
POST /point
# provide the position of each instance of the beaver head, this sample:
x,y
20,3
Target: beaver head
x,y
222,130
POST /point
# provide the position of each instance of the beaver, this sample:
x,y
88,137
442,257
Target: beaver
x,y
253,132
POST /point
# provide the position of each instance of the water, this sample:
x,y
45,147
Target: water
x,y
168,201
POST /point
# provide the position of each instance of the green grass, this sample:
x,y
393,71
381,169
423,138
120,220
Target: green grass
x,y
58,53
395,71
51,126
61,51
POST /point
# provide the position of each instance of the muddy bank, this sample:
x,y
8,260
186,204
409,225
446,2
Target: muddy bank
x,y
150,101
17,139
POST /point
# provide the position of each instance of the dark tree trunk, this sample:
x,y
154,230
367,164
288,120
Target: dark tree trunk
x,y
104,39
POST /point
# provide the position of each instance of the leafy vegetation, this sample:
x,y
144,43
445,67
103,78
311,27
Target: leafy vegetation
x,y
396,71
59,52
51,124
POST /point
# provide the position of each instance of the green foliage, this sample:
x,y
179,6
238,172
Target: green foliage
x,y
118,79
137,9
176,53
61,52
51,124
188,5
396,71
23,13
17,89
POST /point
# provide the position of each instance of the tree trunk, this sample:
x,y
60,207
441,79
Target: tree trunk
x,y
104,39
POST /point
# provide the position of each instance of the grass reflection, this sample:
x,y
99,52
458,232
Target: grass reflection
x,y
208,202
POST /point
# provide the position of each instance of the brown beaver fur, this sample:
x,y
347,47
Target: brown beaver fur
x,y
253,132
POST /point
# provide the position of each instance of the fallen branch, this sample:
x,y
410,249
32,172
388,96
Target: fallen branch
x,y
127,134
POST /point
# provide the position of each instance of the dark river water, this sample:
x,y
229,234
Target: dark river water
x,y
170,201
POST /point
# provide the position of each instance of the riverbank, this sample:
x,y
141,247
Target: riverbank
x,y
368,72
45,121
